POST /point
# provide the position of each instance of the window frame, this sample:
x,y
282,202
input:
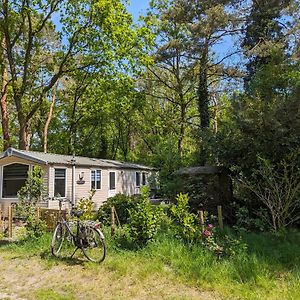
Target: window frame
x,y
115,186
66,190
95,170
136,177
2,175
144,176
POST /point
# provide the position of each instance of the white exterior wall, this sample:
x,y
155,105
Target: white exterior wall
x,y
5,202
125,182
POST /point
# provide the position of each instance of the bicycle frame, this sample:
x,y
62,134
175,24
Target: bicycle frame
x,y
87,236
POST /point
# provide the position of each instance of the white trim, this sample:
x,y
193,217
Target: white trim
x,y
95,179
114,171
73,184
1,184
66,173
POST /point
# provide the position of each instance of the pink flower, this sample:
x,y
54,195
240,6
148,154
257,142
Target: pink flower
x,y
206,233
210,226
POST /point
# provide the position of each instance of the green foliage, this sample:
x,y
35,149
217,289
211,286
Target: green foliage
x,y
35,227
268,270
123,238
31,193
122,204
87,205
246,222
186,228
29,197
277,187
144,222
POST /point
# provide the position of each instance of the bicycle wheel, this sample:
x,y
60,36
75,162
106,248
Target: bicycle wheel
x,y
93,245
57,239
62,244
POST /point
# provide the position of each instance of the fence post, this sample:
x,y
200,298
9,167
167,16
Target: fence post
x,y
10,221
220,217
1,222
113,229
202,220
38,212
117,217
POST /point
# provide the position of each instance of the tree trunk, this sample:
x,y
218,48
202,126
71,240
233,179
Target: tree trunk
x,y
48,121
203,97
24,133
4,110
182,128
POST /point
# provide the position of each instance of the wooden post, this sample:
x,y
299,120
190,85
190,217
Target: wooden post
x,y
38,212
202,225
1,222
220,217
113,228
117,217
10,221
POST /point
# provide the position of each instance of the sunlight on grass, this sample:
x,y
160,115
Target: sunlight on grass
x,y
270,269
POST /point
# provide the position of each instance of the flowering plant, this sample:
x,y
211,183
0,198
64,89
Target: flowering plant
x,y
208,232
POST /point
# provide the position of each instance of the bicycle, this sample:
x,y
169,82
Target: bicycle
x,y
87,237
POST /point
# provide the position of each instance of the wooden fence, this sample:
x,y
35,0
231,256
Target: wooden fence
x,y
9,220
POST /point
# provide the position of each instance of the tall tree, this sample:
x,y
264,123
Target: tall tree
x,y
169,80
91,36
264,35
4,94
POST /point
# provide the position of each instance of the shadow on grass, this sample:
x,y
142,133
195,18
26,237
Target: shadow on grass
x,y
5,242
69,261
279,252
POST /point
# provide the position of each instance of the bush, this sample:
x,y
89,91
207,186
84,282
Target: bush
x,y
144,222
29,197
35,227
277,187
186,225
86,205
122,204
245,222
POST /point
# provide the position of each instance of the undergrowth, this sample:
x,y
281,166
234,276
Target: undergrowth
x,y
269,269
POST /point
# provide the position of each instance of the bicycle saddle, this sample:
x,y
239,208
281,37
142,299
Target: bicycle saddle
x,y
77,213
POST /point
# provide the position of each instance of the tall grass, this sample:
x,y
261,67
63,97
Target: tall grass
x,y
269,269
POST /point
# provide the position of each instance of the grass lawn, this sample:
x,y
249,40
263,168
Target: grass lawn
x,y
165,269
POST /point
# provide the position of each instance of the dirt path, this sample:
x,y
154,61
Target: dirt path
x,y
33,278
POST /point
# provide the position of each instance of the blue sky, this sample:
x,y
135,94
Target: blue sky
x,y
138,7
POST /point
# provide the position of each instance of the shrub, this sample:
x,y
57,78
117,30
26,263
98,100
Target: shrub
x,y
86,205
245,222
277,187
220,244
122,204
186,228
123,239
144,222
35,227
29,197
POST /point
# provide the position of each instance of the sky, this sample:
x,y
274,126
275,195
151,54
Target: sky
x,y
138,7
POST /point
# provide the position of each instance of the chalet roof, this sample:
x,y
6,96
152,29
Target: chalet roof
x,y
49,158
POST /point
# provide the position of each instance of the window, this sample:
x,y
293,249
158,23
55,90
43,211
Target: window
x,y
96,179
60,183
112,180
137,179
144,179
14,178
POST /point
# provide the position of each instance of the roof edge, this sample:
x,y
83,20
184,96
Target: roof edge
x,y
14,152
